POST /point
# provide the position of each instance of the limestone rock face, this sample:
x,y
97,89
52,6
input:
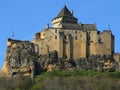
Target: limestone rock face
x,y
97,63
20,57
44,61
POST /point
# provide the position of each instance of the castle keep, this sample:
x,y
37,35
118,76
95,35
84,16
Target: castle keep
x,y
73,40
67,45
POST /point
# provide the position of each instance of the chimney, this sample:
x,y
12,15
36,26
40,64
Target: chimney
x,y
47,26
72,12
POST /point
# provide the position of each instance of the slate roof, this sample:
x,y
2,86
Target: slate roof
x,y
65,12
89,27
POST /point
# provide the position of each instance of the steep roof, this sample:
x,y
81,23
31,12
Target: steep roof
x,y
67,16
65,12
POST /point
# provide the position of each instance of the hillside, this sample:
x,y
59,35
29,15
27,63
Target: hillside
x,y
64,80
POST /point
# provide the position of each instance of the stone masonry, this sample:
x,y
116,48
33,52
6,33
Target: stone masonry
x,y
73,40
67,45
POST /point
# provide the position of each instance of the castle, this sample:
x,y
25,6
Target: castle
x,y
68,44
73,40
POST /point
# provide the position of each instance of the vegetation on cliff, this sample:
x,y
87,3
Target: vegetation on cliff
x,y
64,80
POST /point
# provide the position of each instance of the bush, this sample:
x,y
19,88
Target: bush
x,y
113,74
16,83
66,73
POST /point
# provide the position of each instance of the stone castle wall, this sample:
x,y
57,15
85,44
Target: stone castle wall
x,y
75,43
23,58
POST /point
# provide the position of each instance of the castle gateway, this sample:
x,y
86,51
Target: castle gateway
x,y
73,40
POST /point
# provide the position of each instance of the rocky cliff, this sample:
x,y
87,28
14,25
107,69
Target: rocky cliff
x,y
21,58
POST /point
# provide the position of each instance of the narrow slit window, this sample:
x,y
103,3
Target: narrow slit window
x,y
75,37
75,32
64,37
55,36
56,31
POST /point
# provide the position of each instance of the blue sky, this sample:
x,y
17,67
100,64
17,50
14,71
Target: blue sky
x,y
26,17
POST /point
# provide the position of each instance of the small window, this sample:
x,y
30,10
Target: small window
x,y
98,32
55,36
91,41
64,37
55,30
75,37
75,32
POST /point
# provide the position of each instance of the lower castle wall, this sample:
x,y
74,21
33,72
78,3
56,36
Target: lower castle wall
x,y
82,43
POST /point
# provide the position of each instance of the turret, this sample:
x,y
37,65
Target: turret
x,y
65,16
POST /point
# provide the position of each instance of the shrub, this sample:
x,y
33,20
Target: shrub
x,y
16,83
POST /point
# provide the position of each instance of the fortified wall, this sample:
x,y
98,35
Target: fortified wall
x,y
67,45
73,40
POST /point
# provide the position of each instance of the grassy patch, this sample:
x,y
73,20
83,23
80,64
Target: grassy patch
x,y
78,80
66,73
64,80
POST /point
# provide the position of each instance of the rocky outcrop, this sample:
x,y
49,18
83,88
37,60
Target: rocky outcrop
x,y
46,62
97,63
21,58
